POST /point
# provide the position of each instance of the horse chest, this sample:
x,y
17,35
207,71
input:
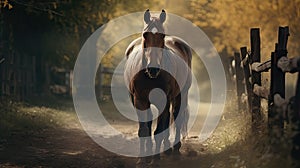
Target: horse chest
x,y
141,85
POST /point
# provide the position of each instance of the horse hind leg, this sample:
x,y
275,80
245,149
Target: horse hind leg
x,y
166,131
181,115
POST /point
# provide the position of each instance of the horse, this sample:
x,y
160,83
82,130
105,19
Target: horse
x,y
156,60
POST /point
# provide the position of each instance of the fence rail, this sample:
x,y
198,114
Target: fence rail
x,y
104,89
17,75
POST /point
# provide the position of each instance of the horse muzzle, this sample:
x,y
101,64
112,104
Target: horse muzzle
x,y
153,72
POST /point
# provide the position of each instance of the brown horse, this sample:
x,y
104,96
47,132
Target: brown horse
x,y
164,62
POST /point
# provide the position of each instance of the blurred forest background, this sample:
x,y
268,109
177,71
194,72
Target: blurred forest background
x,y
40,39
39,44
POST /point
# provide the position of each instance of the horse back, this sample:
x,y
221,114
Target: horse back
x,y
132,45
180,47
174,43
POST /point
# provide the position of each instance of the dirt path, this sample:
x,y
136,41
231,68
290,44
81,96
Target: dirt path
x,y
65,144
74,148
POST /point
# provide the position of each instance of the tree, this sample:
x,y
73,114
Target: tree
x,y
54,31
228,22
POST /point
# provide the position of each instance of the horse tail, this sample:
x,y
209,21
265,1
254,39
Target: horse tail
x,y
185,111
184,125
183,117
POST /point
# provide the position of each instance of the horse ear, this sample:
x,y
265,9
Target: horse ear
x,y
162,16
147,16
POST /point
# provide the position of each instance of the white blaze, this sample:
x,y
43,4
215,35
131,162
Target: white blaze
x,y
154,30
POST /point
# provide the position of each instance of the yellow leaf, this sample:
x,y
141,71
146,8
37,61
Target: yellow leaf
x,y
66,58
5,3
10,6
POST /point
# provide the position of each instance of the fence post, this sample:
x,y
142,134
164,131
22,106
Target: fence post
x,y
247,75
277,86
100,77
296,143
33,70
297,98
271,95
230,73
256,76
1,74
239,80
277,81
281,51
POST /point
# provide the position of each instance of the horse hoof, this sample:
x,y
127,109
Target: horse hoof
x,y
148,159
141,163
156,157
154,164
167,147
176,152
176,148
168,152
143,132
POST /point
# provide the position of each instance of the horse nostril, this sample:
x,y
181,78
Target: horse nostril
x,y
153,72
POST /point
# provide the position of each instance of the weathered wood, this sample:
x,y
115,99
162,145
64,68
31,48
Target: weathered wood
x,y
71,81
256,76
17,74
281,106
261,91
33,84
279,101
230,66
17,80
261,66
111,71
231,70
271,111
289,65
247,75
1,75
296,122
239,80
4,77
99,86
245,61
277,85
297,97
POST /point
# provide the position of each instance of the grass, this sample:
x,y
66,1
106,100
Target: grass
x,y
45,113
23,118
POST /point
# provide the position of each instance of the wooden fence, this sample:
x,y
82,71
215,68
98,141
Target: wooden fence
x,y
248,69
19,81
17,75
104,85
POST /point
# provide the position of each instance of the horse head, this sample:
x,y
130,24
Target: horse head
x,y
153,42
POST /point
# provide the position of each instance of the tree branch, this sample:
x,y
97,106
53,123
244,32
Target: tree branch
x,y
37,8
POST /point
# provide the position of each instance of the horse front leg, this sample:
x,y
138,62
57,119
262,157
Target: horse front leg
x,y
149,143
161,134
144,131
